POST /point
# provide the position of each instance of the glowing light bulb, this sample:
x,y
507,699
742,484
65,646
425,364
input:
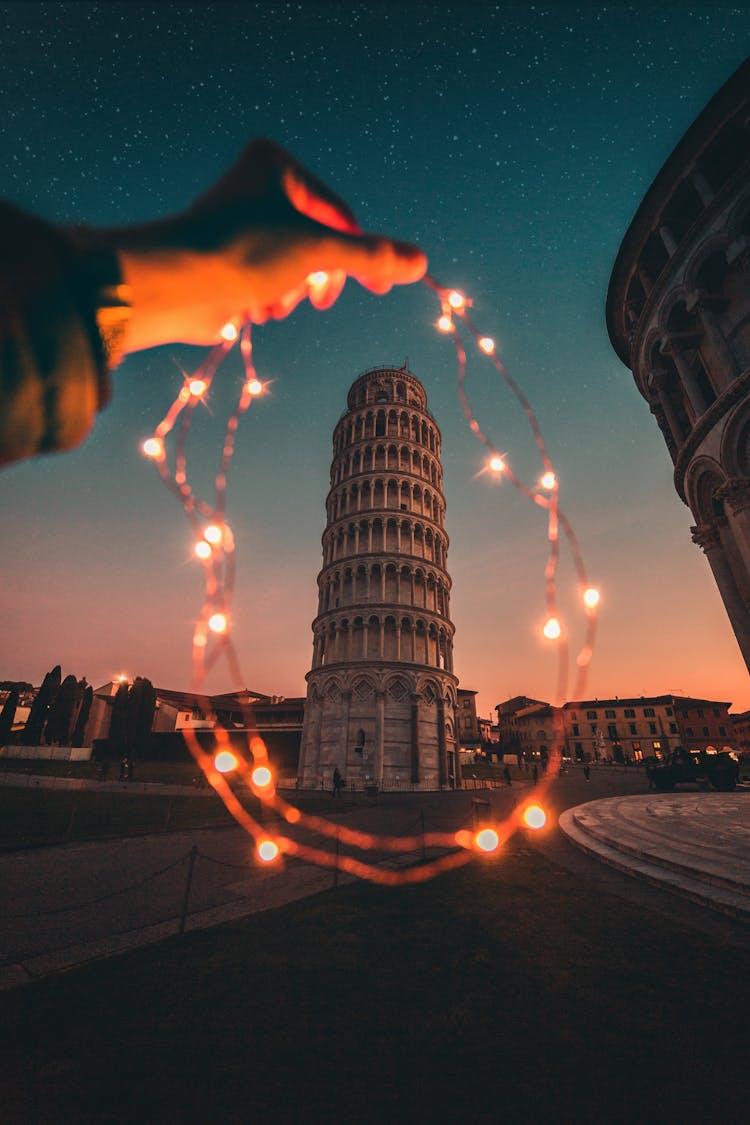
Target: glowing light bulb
x,y
487,840
534,817
203,549
122,678
318,278
552,629
487,344
229,332
213,534
197,387
456,300
225,761
254,387
591,597
153,447
262,776
268,851
548,481
445,324
497,464
217,623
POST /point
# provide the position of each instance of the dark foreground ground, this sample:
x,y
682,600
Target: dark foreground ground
x,y
528,989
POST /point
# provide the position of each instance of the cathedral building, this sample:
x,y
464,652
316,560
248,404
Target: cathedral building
x,y
678,314
381,693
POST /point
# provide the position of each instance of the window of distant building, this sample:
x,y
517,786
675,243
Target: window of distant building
x,y
629,713
716,712
592,715
609,715
652,728
673,728
669,711
577,731
722,730
648,712
689,730
705,732
612,730
656,745
637,747
467,703
633,728
700,712
593,728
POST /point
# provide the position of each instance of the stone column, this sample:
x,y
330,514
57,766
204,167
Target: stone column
x,y
722,364
707,538
735,493
659,380
415,739
668,347
379,737
346,702
442,751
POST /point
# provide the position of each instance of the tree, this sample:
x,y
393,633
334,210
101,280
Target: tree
x,y
63,712
8,714
141,707
32,732
83,713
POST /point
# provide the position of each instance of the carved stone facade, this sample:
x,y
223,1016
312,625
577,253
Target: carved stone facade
x,y
678,314
381,694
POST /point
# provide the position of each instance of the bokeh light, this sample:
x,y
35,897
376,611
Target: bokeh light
x,y
262,776
534,817
268,850
552,629
225,761
487,840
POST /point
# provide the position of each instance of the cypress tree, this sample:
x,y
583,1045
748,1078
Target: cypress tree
x,y
87,698
118,724
62,712
8,714
141,707
32,732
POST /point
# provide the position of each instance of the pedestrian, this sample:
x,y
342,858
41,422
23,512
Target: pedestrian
x,y
338,782
124,768
587,772
535,773
506,775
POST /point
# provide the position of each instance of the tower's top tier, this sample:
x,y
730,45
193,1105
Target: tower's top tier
x,y
384,385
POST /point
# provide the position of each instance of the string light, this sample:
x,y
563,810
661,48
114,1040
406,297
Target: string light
x,y
153,447
215,541
268,850
487,840
225,761
552,629
534,817
213,534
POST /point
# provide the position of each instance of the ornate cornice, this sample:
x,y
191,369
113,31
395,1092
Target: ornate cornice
x,y
735,492
706,536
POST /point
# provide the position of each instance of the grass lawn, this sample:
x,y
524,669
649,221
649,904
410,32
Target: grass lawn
x,y
509,991
29,817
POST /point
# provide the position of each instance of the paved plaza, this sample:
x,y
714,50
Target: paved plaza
x,y
74,903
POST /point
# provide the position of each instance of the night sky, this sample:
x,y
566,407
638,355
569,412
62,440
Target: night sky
x,y
513,143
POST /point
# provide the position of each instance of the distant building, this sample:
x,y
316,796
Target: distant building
x,y
509,731
618,729
467,724
678,314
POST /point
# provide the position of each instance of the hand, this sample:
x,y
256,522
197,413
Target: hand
x,y
246,248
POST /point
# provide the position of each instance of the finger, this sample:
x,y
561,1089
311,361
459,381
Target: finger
x,y
374,261
311,197
324,295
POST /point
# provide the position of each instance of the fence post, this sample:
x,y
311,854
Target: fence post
x,y
191,864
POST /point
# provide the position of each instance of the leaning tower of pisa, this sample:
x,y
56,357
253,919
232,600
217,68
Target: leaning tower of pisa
x,y
381,693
